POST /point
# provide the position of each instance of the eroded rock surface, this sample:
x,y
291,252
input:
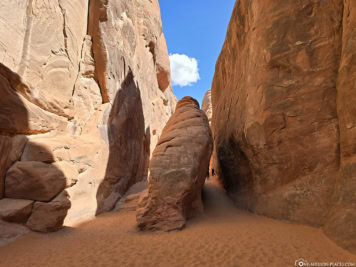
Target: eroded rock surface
x,y
341,223
163,67
34,181
177,170
49,216
284,83
86,92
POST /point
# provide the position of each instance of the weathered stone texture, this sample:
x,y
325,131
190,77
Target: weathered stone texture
x,y
66,71
34,181
49,216
177,170
279,95
163,68
341,224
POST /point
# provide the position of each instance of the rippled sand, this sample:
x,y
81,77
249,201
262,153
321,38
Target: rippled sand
x,y
224,236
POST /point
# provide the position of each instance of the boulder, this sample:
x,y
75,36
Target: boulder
x,y
34,181
11,148
15,210
163,67
49,216
177,170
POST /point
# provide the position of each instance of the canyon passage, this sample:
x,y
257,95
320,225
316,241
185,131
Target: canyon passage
x,y
101,165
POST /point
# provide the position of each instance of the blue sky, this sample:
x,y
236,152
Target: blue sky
x,y
197,29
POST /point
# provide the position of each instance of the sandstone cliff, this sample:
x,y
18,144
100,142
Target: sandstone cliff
x,y
283,121
85,93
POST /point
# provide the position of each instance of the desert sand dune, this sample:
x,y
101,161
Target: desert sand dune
x,y
223,236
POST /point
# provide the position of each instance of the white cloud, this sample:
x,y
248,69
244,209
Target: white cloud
x,y
184,70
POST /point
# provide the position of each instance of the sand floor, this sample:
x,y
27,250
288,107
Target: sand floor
x,y
223,236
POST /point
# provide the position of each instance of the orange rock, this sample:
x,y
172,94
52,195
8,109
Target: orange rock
x,y
34,181
163,67
341,223
177,170
283,98
49,216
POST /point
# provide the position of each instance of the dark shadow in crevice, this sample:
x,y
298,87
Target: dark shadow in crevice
x,y
234,172
129,146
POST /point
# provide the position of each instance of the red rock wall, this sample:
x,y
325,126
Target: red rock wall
x,y
341,224
207,106
275,115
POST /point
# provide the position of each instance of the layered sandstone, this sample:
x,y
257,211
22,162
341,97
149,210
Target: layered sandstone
x,y
34,181
57,208
86,92
283,111
177,170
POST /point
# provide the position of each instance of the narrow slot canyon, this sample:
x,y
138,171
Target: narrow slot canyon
x,y
105,160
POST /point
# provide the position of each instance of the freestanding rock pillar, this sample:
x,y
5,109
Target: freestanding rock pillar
x,y
177,170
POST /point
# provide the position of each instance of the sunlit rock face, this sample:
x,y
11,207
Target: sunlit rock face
x,y
207,106
177,170
85,93
282,98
